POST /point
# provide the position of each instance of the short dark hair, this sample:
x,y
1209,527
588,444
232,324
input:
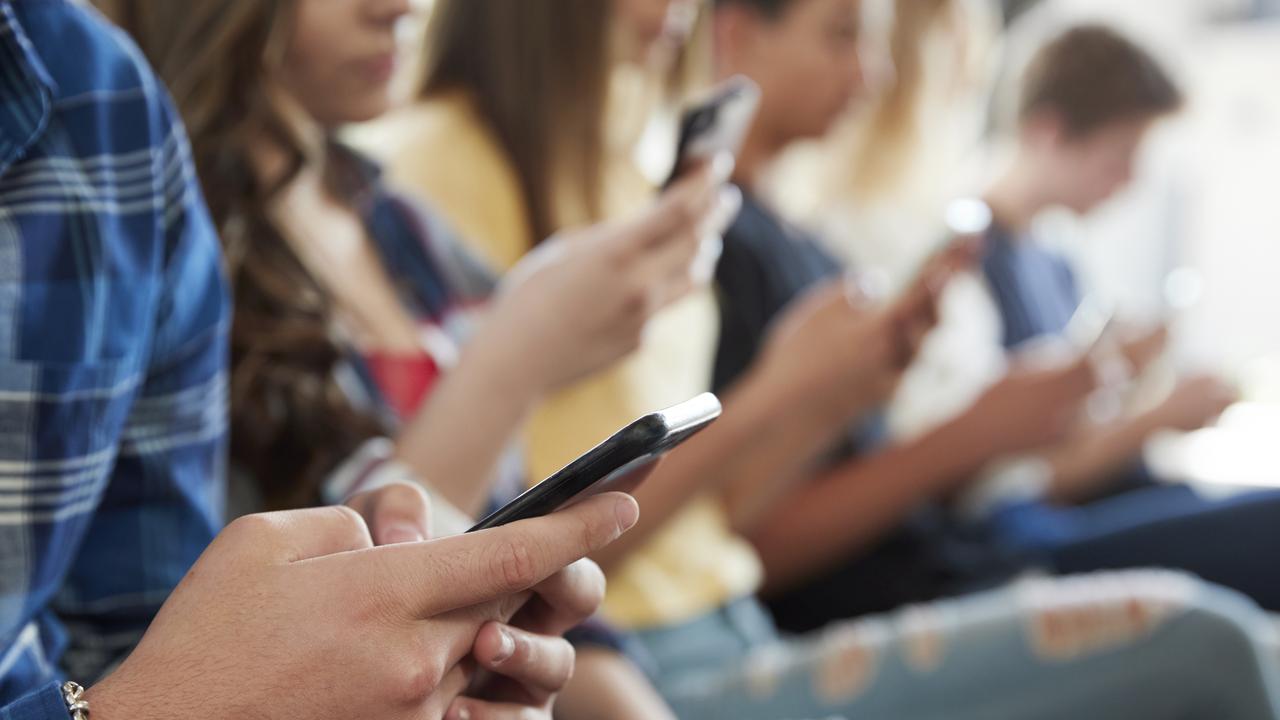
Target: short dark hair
x,y
1091,76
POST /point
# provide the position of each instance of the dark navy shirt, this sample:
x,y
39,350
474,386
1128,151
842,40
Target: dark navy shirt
x,y
765,266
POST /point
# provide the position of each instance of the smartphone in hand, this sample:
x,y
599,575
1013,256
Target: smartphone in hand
x,y
620,463
718,124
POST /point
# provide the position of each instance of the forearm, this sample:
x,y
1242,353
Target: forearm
x,y
457,439
791,438
852,506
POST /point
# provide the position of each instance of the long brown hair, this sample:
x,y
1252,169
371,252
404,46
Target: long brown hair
x,y
538,72
291,421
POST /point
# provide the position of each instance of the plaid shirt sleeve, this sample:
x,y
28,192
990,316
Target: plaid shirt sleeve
x,y
112,353
162,504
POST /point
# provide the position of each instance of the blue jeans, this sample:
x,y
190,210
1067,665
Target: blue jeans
x,y
1229,542
1118,646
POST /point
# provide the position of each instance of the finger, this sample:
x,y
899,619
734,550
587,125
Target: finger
x,y
682,210
916,335
426,579
710,250
1077,379
920,303
964,252
460,676
541,664
673,290
725,210
564,600
298,535
470,709
397,513
857,291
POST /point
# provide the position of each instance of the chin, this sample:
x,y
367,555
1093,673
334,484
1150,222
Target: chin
x,y
366,112
1088,205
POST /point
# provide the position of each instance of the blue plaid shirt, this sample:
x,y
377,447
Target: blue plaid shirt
x,y
113,314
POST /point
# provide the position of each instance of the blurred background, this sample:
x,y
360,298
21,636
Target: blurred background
x,y
1198,236
1195,241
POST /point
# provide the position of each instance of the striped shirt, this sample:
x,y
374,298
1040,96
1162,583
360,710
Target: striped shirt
x,y
113,319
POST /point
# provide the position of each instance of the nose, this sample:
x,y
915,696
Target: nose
x,y
857,79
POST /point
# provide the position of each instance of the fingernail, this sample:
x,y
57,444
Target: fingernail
x,y
628,513
462,712
506,648
404,533
722,166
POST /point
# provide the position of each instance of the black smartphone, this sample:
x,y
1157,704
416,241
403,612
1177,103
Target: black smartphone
x,y
620,463
717,124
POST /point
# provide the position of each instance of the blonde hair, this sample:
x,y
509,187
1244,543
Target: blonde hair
x,y
880,149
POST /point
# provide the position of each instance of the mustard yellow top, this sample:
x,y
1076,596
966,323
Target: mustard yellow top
x,y
443,150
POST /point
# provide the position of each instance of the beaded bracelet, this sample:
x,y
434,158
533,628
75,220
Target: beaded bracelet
x,y
73,694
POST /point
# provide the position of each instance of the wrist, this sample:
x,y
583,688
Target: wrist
x,y
109,701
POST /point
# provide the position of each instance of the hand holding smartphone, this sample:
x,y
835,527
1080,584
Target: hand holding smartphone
x,y
620,463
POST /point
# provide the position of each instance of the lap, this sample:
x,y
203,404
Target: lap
x,y
1111,645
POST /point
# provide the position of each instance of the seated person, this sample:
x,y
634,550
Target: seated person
x,y
874,532
364,346
1076,145
112,431
690,603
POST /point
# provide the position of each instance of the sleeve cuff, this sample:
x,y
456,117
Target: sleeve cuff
x,y
43,704
373,467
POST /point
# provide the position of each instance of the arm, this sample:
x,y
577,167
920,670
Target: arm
x,y
855,504
163,500
459,436
840,357
576,305
826,362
